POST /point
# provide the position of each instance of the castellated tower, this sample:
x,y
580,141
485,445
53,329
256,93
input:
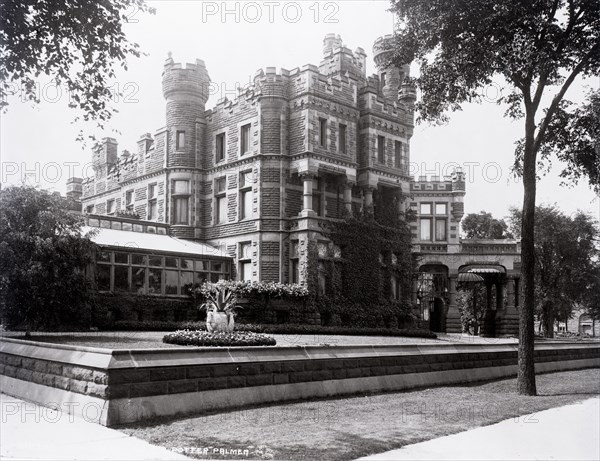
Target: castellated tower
x,y
186,91
391,77
458,192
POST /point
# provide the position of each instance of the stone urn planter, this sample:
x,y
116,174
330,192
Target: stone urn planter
x,y
219,321
220,307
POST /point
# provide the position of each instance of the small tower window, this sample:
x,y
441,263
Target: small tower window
x,y
220,147
245,139
323,132
398,154
342,134
383,79
381,149
180,140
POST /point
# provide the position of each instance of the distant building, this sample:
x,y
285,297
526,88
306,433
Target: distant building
x,y
256,177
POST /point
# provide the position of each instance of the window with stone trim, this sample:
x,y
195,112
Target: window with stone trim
x,y
398,154
425,208
441,209
152,214
323,132
245,139
381,149
220,147
129,200
111,206
220,200
180,140
342,138
425,224
440,229
181,201
246,196
245,261
89,209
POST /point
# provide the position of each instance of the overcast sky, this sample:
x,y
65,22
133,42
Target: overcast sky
x,y
235,39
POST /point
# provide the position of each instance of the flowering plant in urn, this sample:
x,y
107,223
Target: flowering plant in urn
x,y
220,306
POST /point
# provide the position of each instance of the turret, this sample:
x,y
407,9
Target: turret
x,y
458,192
186,90
340,60
391,77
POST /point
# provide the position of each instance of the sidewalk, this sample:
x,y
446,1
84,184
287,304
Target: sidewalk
x,y
569,433
572,432
31,432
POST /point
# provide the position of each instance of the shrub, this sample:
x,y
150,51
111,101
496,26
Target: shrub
x,y
152,325
218,339
282,329
287,329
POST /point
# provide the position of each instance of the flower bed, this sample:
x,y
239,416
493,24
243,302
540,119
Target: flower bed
x,y
218,339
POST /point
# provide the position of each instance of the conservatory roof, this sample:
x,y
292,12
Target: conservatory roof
x,y
151,242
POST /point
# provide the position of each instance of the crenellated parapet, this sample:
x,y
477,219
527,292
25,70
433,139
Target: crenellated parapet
x,y
191,80
391,77
339,59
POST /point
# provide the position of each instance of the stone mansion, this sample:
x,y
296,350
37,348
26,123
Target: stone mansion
x,y
251,181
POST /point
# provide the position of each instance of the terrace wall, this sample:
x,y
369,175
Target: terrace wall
x,y
122,386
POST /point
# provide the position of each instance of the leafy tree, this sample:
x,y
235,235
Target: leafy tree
x,y
79,44
483,225
566,263
43,258
537,48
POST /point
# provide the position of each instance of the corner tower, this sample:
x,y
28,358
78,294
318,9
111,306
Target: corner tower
x,y
186,91
391,77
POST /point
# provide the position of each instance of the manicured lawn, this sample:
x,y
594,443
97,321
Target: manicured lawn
x,y
347,428
153,339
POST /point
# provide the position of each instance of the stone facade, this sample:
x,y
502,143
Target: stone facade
x,y
258,175
261,175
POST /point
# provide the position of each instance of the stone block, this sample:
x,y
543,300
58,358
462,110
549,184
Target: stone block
x,y
24,374
149,388
198,372
340,373
118,391
281,378
79,387
301,376
187,385
239,381
225,370
322,375
13,360
270,367
292,367
97,390
62,382
79,373
259,380
54,368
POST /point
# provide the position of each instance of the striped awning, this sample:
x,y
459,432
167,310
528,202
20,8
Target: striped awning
x,y
485,270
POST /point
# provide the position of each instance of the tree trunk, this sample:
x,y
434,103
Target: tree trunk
x,y
549,326
526,373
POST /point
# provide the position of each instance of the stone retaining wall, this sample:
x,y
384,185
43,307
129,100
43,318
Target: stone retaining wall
x,y
112,387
